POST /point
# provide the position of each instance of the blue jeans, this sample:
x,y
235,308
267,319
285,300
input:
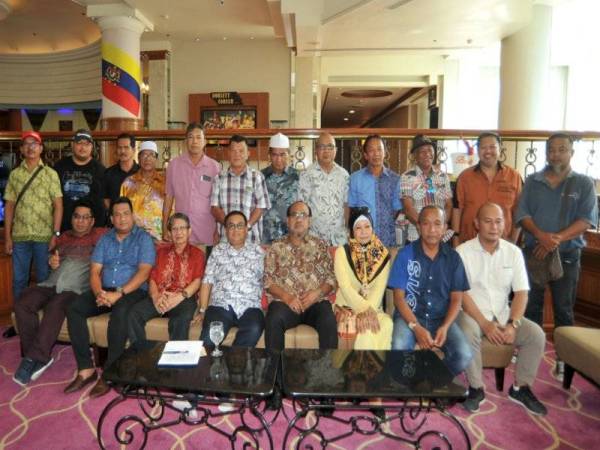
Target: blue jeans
x,y
564,293
23,253
250,325
457,351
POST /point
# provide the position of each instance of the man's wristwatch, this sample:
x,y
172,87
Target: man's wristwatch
x,y
515,323
120,290
56,233
413,325
201,310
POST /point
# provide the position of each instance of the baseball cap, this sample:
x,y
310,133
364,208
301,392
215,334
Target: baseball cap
x,y
149,145
420,140
33,134
83,134
279,140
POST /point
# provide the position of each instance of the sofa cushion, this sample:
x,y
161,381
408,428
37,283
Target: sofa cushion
x,y
579,347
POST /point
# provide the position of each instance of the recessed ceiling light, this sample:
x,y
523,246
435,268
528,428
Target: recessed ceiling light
x,y
345,119
224,38
197,39
251,38
351,111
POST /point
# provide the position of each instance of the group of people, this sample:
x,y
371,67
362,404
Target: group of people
x,y
269,234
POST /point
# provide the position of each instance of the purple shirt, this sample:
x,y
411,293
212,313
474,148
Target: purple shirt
x,y
191,187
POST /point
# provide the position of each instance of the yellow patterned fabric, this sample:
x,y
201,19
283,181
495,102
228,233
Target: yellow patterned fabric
x,y
367,260
147,199
33,219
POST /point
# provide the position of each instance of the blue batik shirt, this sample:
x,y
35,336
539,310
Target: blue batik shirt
x,y
427,283
283,191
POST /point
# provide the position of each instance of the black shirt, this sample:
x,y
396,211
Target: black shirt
x,y
81,182
113,177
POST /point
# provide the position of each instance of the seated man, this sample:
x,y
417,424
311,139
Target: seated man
x,y
232,285
496,267
174,281
120,266
70,264
298,277
428,278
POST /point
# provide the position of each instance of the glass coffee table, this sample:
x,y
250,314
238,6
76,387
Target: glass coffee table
x,y
166,397
392,393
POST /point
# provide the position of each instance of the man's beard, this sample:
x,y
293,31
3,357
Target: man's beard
x,y
557,168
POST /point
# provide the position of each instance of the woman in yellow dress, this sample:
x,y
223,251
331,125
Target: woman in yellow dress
x,y
362,267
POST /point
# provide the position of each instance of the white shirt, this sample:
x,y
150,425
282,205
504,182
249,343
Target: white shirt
x,y
493,276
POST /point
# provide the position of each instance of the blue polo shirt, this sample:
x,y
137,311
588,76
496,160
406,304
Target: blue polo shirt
x,y
427,283
382,196
542,203
121,259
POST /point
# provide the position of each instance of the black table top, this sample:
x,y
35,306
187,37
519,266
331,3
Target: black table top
x,y
245,371
361,373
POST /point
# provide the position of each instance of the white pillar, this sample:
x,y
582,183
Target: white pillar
x,y
121,70
524,72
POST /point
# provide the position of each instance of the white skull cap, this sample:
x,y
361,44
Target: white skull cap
x,y
279,140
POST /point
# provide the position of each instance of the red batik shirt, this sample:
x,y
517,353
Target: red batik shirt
x,y
174,272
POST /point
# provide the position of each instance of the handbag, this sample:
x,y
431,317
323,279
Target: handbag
x,y
541,271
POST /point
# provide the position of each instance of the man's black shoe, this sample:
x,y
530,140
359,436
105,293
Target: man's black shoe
x,y
9,332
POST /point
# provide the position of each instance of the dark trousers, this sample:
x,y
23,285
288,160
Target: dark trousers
x,y
179,320
250,325
280,318
564,293
38,338
84,306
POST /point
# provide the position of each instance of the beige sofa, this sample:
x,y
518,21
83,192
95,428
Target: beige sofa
x,y
579,348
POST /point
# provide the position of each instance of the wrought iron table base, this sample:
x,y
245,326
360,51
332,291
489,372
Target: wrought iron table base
x,y
405,412
149,399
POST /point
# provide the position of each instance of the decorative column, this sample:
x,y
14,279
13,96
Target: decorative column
x,y
524,71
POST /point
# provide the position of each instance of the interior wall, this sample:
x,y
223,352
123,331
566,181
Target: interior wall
x,y
397,119
242,66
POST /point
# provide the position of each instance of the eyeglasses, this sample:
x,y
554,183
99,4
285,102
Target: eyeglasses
x,y
178,229
325,147
299,215
81,217
235,226
148,155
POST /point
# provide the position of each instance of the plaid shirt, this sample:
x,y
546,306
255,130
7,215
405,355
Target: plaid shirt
x,y
423,191
245,193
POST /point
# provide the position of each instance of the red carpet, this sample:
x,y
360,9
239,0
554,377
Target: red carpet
x,y
42,417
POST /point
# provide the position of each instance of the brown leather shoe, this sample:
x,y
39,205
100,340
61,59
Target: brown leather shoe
x,y
79,383
99,389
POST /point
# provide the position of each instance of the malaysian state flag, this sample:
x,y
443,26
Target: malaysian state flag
x,y
121,78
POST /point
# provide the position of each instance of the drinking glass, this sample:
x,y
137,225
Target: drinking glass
x,y
216,335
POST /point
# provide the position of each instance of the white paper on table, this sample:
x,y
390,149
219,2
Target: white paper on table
x,y
182,353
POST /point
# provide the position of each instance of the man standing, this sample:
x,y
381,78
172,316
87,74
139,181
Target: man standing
x,y
121,263
232,287
282,184
424,185
324,188
298,278
488,181
174,282
189,185
429,279
81,178
495,268
114,175
240,188
378,188
556,207
70,263
33,211
146,190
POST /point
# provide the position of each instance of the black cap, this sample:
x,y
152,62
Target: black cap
x,y
419,141
83,134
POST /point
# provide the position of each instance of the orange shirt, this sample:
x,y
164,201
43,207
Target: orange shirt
x,y
473,189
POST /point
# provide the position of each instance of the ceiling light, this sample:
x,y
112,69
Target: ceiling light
x,y
197,39
351,111
345,119
251,38
224,38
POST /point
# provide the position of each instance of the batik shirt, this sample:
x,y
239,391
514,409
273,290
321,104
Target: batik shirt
x,y
245,192
147,200
326,194
424,191
298,269
235,276
283,191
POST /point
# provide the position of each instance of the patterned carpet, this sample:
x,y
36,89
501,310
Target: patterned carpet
x,y
40,416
